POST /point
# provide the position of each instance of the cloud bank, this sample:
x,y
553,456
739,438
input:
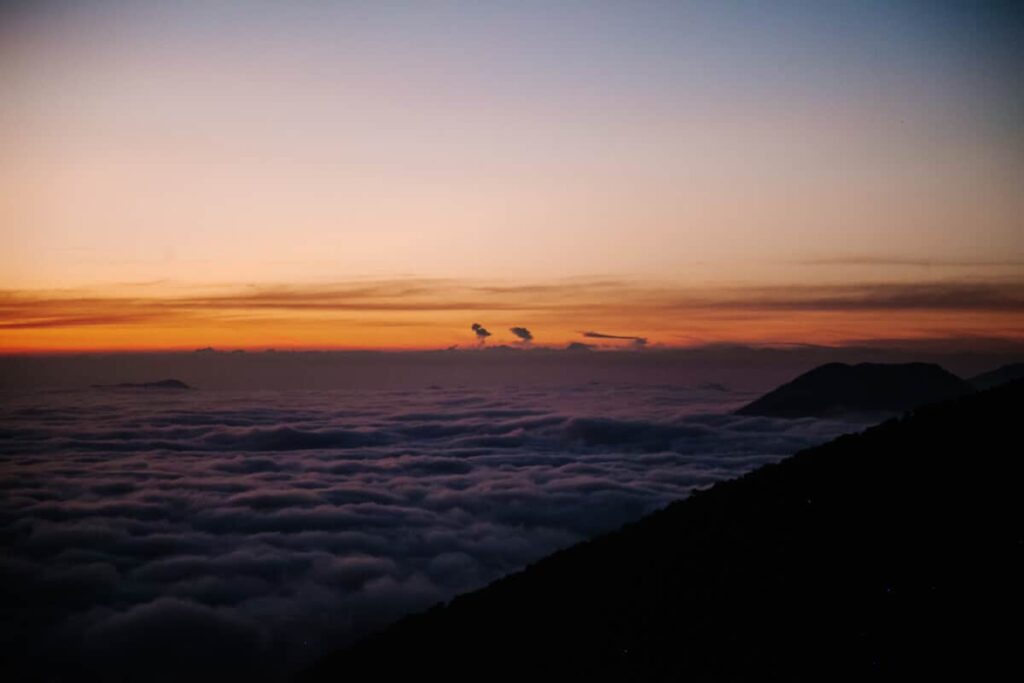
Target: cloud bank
x,y
247,533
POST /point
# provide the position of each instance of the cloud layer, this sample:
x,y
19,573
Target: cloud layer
x,y
247,533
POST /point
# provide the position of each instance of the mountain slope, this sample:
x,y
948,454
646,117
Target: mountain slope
x,y
1001,375
892,553
837,388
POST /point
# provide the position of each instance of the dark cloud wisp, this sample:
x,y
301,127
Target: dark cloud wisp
x,y
637,341
480,331
522,333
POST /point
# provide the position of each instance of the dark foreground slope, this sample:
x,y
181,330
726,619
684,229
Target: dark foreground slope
x,y
837,388
893,553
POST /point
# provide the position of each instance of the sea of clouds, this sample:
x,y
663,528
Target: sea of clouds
x,y
250,532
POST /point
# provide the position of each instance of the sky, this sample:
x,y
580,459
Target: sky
x,y
385,174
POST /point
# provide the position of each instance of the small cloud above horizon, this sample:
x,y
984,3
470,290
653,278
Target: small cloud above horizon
x,y
481,332
524,335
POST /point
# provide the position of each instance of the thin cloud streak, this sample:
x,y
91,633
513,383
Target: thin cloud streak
x,y
896,261
637,341
954,296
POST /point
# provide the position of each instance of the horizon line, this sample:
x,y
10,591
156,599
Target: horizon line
x,y
962,344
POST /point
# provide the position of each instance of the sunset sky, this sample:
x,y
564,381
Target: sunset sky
x,y
384,174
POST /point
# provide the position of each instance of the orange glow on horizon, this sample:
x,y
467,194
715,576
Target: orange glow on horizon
x,y
420,315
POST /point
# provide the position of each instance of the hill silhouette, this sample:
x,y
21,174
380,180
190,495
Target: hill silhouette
x,y
838,388
1001,375
894,553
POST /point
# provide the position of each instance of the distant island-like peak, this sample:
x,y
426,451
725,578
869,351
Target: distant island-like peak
x,y
838,388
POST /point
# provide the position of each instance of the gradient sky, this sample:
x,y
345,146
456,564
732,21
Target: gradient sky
x,y
383,174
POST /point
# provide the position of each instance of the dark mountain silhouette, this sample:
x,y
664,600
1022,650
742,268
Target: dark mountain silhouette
x,y
892,554
837,388
994,378
162,384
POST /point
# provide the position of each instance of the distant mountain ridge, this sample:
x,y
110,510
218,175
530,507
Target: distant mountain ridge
x,y
894,554
838,388
162,384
